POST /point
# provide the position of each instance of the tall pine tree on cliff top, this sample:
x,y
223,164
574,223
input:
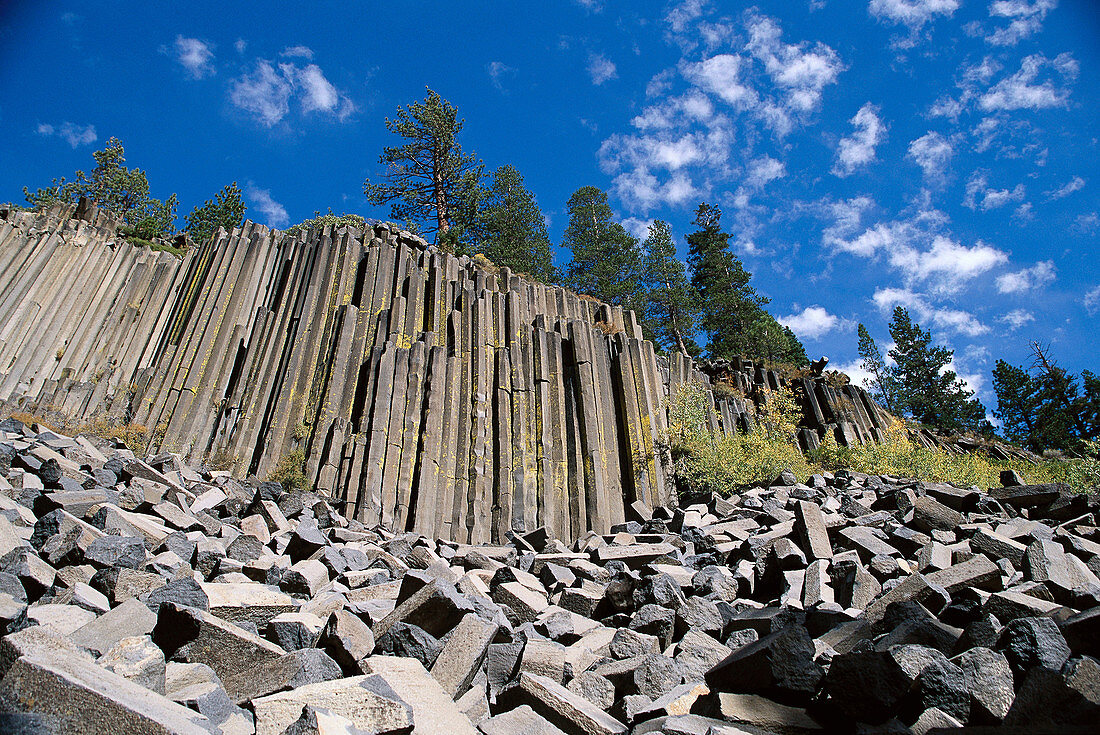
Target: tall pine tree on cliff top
x,y
511,229
729,305
428,178
672,306
606,260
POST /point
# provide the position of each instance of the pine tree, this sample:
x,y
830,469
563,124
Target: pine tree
x,y
882,385
511,229
121,190
796,351
927,390
606,260
427,178
226,210
671,307
1017,405
729,305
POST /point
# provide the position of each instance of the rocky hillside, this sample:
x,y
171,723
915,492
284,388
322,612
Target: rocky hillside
x,y
148,596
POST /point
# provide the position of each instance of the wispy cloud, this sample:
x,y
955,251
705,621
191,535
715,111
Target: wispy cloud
x,y
499,71
297,52
858,149
1027,279
684,144
916,246
273,211
1024,19
911,13
1017,318
1023,90
979,195
73,134
1091,300
1073,185
265,92
932,152
601,69
947,319
196,56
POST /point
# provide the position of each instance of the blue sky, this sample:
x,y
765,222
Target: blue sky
x,y
938,154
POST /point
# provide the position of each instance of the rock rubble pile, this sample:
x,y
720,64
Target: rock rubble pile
x,y
149,596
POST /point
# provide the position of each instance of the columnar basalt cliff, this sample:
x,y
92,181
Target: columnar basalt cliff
x,y
426,392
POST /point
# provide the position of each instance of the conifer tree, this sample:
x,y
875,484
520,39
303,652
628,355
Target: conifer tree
x,y
882,385
927,390
671,307
1017,405
427,178
121,190
606,260
225,210
511,229
729,305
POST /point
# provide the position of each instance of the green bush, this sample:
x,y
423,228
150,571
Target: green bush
x,y
289,472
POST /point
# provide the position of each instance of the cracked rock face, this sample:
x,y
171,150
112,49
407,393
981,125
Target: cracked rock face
x,y
174,599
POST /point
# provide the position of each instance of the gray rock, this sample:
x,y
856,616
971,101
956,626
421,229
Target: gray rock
x,y
136,659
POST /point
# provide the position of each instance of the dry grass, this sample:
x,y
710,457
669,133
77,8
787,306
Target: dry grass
x,y
608,328
136,437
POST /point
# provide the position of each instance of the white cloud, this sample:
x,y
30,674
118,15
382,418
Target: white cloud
x,y
916,246
763,170
954,320
240,45
1024,213
1020,90
261,199
1027,279
1091,301
932,152
854,370
911,13
1087,223
298,52
813,322
641,190
858,149
592,6
318,94
601,69
73,134
498,70
266,92
947,264
1024,19
979,195
1017,318
721,75
660,83
1071,186
196,56
639,228
801,70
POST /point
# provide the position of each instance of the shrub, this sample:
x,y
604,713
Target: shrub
x,y
705,463
320,220
289,472
725,390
